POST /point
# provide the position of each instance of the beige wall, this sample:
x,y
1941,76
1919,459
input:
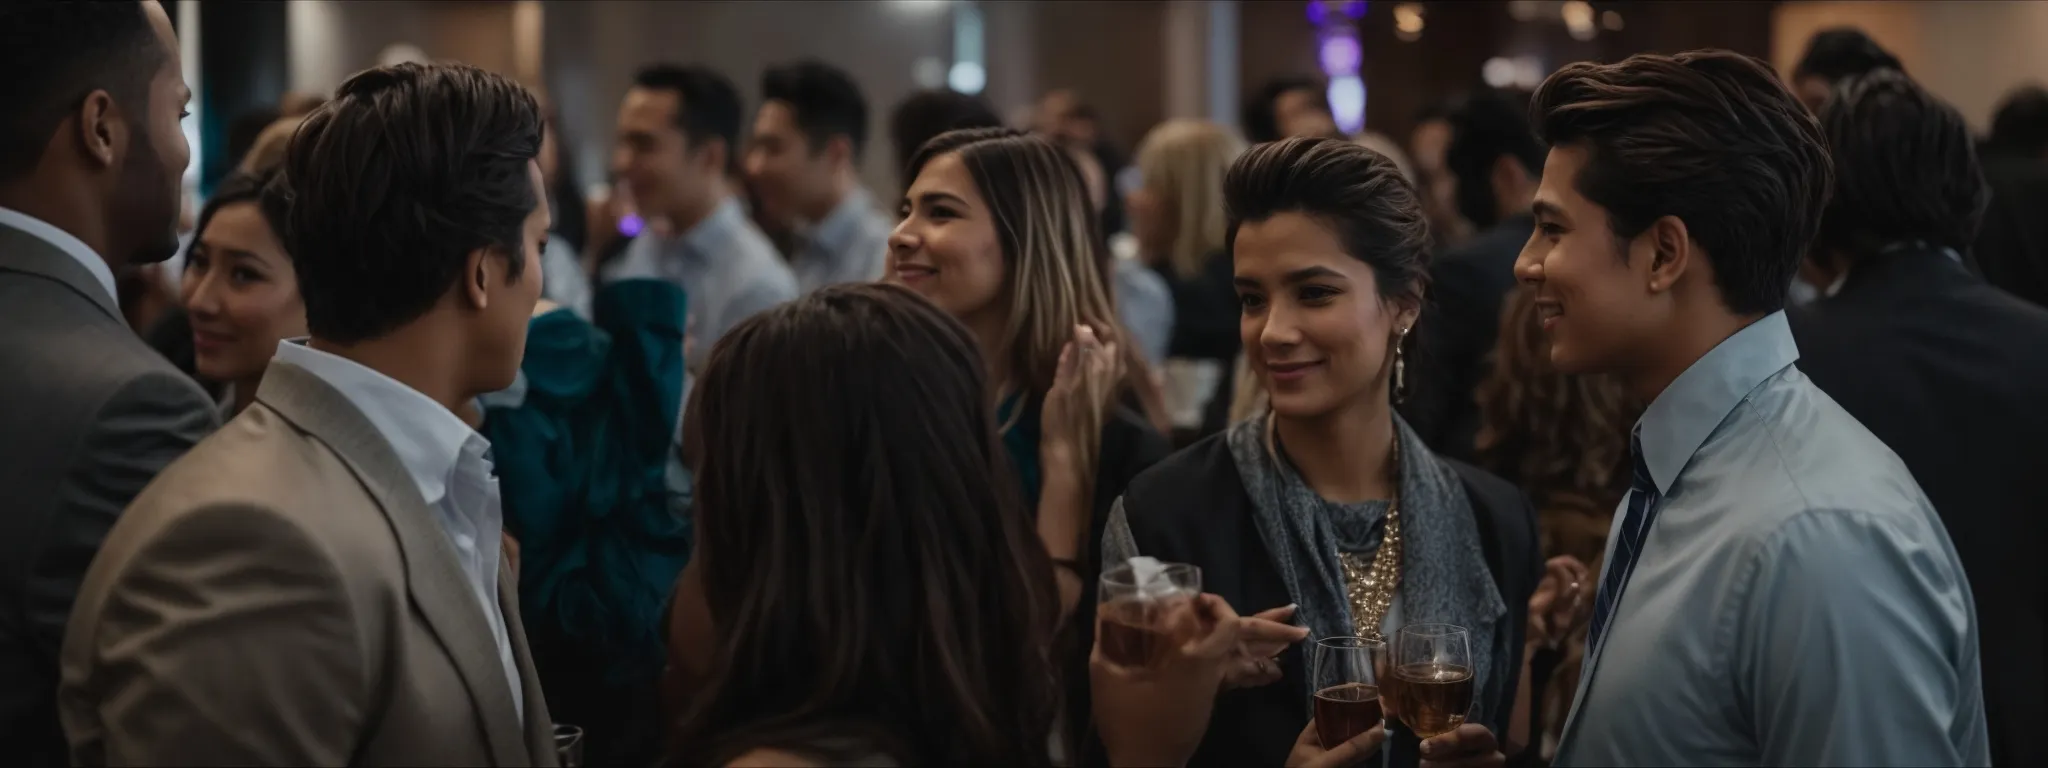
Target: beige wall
x,y
332,39
1970,52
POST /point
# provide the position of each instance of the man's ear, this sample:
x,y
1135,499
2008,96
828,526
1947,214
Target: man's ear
x,y
102,128
712,156
1671,251
839,148
478,270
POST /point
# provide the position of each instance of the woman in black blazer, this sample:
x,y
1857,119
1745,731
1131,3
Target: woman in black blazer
x,y
1317,502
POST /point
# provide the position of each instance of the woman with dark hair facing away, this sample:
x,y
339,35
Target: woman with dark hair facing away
x,y
866,588
998,231
1327,503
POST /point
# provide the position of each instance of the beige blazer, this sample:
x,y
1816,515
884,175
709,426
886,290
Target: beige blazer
x,y
282,595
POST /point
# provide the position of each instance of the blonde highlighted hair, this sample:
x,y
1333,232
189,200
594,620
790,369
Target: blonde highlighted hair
x,y
267,153
1182,163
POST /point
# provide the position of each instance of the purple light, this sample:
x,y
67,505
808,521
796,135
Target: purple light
x,y
1317,12
1355,9
631,225
1339,54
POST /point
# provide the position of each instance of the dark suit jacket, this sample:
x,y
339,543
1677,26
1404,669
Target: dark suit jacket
x,y
1459,326
2012,247
88,415
1952,374
1193,508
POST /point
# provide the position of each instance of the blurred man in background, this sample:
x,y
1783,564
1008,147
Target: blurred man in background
x,y
803,163
2012,248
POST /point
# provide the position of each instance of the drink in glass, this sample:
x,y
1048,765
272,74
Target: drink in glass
x,y
1147,610
1433,677
1345,676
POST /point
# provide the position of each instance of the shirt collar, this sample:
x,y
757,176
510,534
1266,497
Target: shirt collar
x,y
428,438
1675,426
708,236
843,222
66,242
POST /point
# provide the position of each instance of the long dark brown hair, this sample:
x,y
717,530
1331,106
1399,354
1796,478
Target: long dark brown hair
x,y
870,572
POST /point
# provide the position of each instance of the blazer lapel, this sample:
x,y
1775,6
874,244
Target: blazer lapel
x,y
433,575
540,727
23,252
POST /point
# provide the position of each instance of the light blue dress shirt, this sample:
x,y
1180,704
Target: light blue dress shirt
x,y
449,462
729,269
850,245
1144,304
1797,601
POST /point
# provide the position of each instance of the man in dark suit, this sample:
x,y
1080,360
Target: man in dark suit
x,y
1947,370
90,160
1495,162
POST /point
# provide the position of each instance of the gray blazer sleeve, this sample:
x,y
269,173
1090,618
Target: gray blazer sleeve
x,y
149,422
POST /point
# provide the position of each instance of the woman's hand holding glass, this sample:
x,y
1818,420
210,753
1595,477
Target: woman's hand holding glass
x,y
1152,709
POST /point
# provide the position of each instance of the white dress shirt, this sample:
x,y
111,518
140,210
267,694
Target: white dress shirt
x,y
448,461
66,242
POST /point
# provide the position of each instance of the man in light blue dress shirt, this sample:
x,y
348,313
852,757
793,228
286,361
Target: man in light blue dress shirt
x,y
678,130
1777,589
803,165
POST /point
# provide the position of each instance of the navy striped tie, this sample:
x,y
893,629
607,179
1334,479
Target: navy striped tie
x,y
1635,529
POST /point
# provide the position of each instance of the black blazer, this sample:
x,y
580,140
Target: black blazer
x,y
1952,374
1193,508
1456,335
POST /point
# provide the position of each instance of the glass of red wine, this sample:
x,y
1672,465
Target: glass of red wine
x,y
1432,678
1147,609
1345,674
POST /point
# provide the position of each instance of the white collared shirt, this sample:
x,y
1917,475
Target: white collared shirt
x,y
448,461
66,242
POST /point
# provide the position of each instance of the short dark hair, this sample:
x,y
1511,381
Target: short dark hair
x,y
709,106
1839,52
1711,137
928,113
393,182
1906,167
57,51
1260,124
1358,192
824,99
239,187
902,454
1485,126
2021,122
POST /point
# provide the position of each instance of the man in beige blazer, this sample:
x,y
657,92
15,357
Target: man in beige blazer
x,y
320,582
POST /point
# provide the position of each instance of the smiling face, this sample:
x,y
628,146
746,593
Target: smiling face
x,y
1592,294
1316,332
946,246
789,175
242,294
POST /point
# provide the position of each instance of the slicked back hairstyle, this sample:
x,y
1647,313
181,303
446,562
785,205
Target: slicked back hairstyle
x,y
1356,191
867,559
824,99
57,51
709,106
1713,138
1906,167
393,182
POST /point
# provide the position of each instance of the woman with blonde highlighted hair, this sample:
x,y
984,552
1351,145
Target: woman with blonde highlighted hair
x,y
1177,215
999,232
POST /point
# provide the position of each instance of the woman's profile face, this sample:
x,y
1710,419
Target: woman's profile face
x,y
946,248
241,293
1316,332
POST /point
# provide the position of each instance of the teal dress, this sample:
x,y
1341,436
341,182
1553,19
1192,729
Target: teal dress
x,y
1021,442
585,448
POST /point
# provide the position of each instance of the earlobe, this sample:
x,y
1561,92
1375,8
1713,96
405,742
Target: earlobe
x,y
1671,252
96,128
479,282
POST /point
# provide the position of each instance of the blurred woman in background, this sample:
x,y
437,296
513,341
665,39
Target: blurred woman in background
x,y
1177,216
867,588
1564,441
998,231
239,290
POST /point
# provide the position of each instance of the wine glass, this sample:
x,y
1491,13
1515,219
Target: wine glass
x,y
1138,623
1432,677
569,746
1344,673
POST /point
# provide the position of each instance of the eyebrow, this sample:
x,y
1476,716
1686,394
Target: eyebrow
x,y
939,197
1545,208
1296,277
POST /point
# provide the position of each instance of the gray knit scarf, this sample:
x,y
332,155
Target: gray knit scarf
x,y
1444,573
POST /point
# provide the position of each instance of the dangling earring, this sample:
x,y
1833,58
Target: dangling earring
x,y
1400,368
